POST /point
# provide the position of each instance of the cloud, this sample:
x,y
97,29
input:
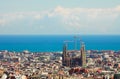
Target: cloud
x,y
65,20
2,22
93,20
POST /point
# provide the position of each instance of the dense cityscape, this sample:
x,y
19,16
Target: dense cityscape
x,y
69,64
59,39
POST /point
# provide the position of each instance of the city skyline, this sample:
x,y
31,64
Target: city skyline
x,y
28,17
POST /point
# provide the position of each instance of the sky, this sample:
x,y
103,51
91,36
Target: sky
x,y
39,17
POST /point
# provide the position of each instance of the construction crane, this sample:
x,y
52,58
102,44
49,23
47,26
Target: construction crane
x,y
66,42
76,38
75,41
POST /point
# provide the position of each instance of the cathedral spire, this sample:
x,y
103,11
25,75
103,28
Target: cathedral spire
x,y
64,49
83,55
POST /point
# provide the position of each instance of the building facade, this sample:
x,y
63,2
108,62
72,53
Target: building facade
x,y
74,58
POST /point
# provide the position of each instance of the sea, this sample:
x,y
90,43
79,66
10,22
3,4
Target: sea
x,y
54,43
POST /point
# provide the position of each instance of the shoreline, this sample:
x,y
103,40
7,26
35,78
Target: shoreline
x,y
56,51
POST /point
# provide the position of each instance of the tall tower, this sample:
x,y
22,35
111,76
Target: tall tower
x,y
64,55
83,55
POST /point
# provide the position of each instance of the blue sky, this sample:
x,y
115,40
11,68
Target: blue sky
x,y
60,17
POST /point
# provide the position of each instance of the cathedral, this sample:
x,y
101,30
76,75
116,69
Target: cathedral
x,y
73,58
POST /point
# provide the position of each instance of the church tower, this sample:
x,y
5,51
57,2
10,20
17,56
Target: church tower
x,y
72,58
64,55
83,55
